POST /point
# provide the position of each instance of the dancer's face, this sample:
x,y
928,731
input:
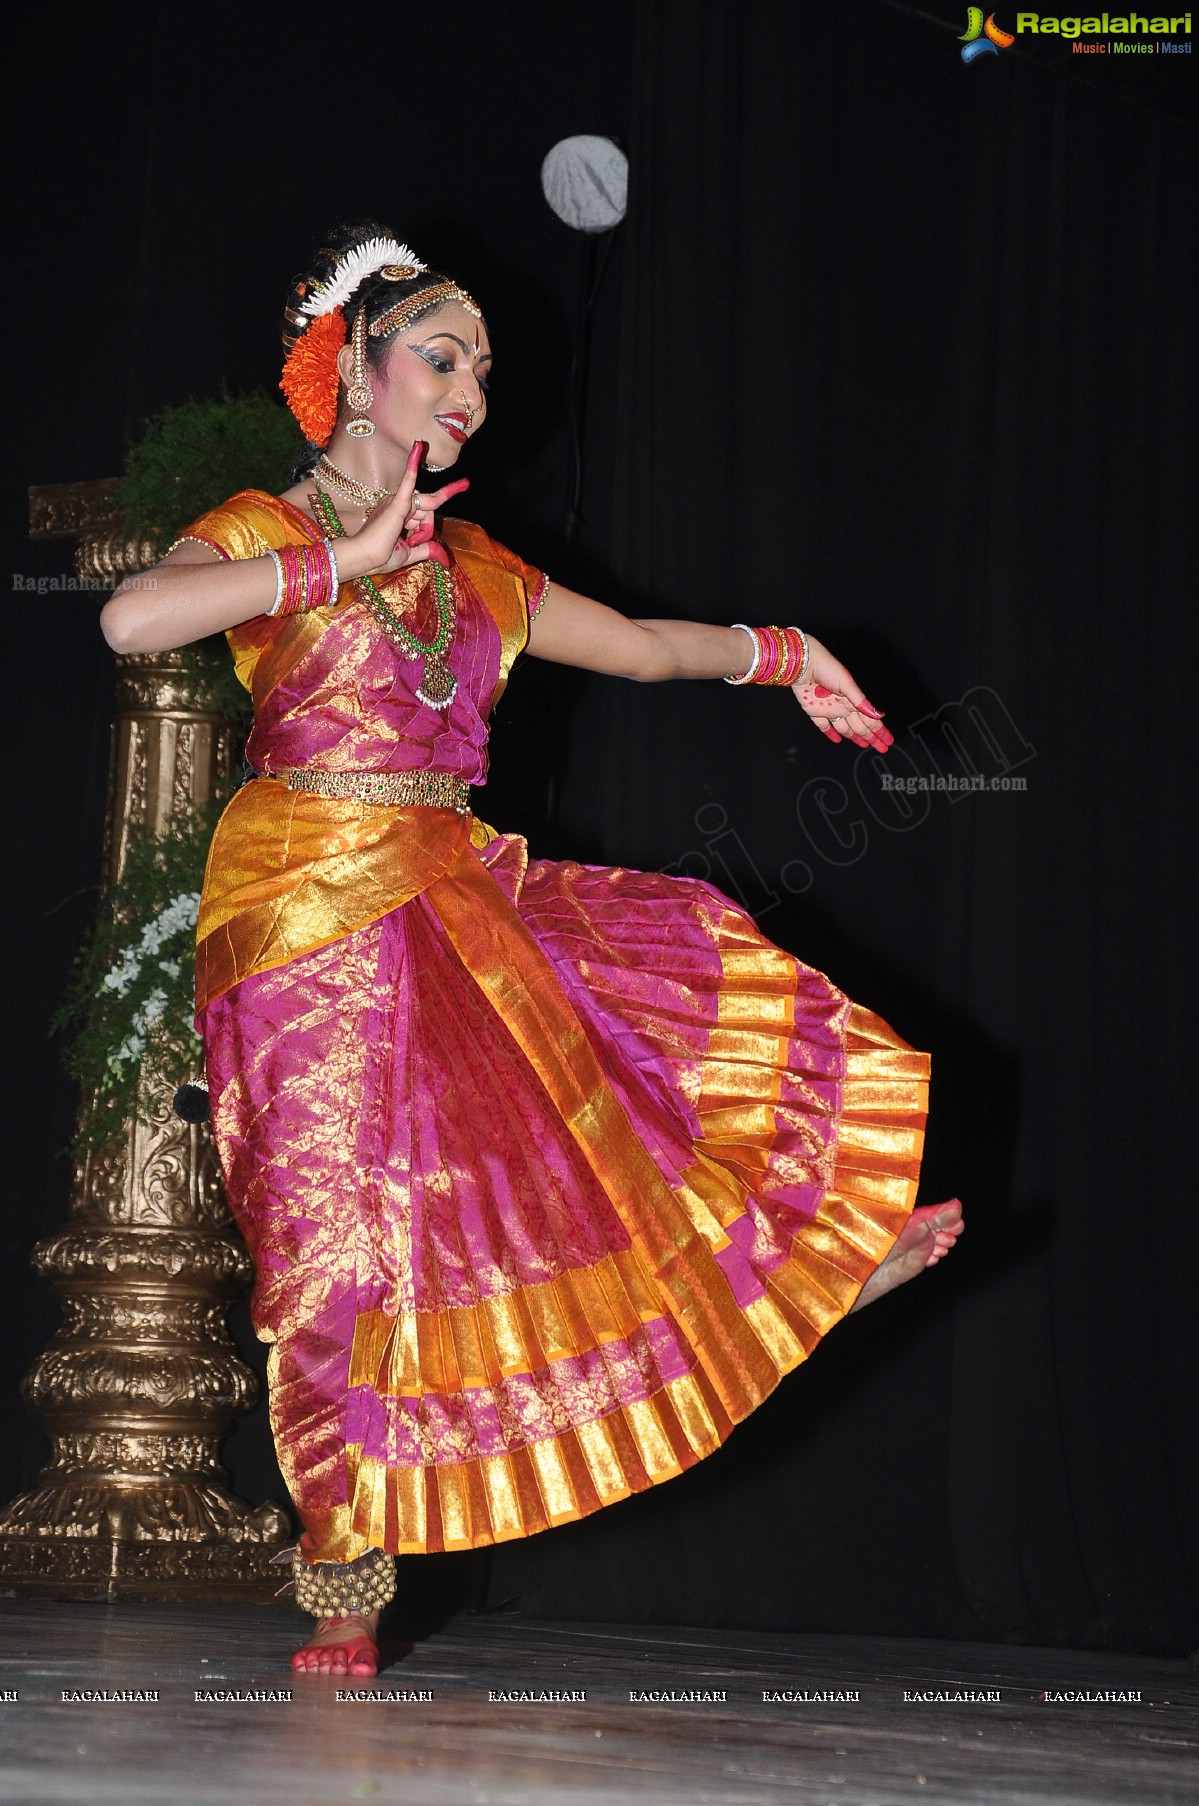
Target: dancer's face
x,y
433,384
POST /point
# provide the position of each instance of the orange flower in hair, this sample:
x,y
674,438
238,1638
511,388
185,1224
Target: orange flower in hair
x,y
309,379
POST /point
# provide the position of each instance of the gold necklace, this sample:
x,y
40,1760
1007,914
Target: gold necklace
x,y
358,492
438,686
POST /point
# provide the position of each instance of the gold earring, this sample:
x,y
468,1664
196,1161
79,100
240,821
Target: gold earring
x,y
359,395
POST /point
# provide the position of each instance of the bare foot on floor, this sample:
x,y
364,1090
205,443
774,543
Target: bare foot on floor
x,y
341,1646
929,1234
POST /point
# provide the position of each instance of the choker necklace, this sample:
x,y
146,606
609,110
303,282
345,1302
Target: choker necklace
x,y
358,492
438,686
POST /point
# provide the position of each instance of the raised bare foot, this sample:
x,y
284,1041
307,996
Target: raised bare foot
x,y
341,1646
929,1233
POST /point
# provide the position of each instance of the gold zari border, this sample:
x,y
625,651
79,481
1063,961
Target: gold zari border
x,y
741,1354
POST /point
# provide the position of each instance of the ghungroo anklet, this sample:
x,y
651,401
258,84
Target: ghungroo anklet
x,y
343,1589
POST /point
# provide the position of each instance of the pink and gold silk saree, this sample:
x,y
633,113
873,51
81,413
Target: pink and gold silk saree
x,y
549,1171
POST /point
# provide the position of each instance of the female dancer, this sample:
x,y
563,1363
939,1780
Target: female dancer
x,y
549,1171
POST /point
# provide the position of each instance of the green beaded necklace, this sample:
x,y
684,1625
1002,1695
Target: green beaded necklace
x,y
438,686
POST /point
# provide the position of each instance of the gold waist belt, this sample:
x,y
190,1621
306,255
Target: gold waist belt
x,y
402,789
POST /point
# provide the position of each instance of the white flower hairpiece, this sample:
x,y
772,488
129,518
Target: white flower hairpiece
x,y
355,267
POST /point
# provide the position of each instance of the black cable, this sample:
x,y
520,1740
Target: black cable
x,y
591,276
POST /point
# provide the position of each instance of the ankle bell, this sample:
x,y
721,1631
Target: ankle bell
x,y
344,1589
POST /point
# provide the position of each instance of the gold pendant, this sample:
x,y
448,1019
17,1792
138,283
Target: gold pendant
x,y
438,685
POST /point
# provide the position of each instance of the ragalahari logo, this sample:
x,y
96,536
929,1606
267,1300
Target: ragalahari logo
x,y
981,39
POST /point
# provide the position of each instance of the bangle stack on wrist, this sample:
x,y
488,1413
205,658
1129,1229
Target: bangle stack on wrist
x,y
781,656
306,577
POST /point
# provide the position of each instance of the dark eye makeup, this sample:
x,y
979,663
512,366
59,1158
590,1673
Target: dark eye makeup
x,y
443,366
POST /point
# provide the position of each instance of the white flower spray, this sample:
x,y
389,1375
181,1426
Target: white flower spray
x,y
179,914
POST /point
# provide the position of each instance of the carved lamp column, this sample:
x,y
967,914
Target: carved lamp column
x,y
141,1382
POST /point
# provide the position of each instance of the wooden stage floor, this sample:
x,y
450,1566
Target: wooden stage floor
x,y
847,1734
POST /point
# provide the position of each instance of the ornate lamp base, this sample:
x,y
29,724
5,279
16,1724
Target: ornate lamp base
x,y
94,1568
141,1382
138,1388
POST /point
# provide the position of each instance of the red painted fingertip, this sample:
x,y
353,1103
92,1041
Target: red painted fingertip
x,y
868,708
415,455
438,554
457,487
833,735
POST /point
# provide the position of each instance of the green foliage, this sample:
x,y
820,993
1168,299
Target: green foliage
x,y
196,454
190,458
128,1009
131,998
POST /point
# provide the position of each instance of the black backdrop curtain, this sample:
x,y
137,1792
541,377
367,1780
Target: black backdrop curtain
x,y
897,348
906,354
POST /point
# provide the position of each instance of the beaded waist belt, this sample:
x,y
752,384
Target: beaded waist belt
x,y
402,789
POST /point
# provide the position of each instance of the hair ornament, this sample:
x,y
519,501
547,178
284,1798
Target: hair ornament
x,y
310,380
354,267
414,307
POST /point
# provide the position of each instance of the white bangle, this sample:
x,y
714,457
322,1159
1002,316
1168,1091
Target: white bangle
x,y
275,605
807,655
757,658
336,577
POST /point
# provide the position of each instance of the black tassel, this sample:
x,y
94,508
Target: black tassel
x,y
191,1103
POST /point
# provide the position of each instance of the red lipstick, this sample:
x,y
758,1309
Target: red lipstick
x,y
453,424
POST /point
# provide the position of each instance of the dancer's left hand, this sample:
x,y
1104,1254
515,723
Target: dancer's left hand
x,y
834,703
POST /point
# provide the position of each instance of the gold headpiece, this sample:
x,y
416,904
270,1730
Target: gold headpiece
x,y
413,306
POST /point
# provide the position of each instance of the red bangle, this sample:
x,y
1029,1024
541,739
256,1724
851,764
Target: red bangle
x,y
309,577
780,656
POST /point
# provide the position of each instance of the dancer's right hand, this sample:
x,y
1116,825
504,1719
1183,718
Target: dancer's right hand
x,y
398,533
